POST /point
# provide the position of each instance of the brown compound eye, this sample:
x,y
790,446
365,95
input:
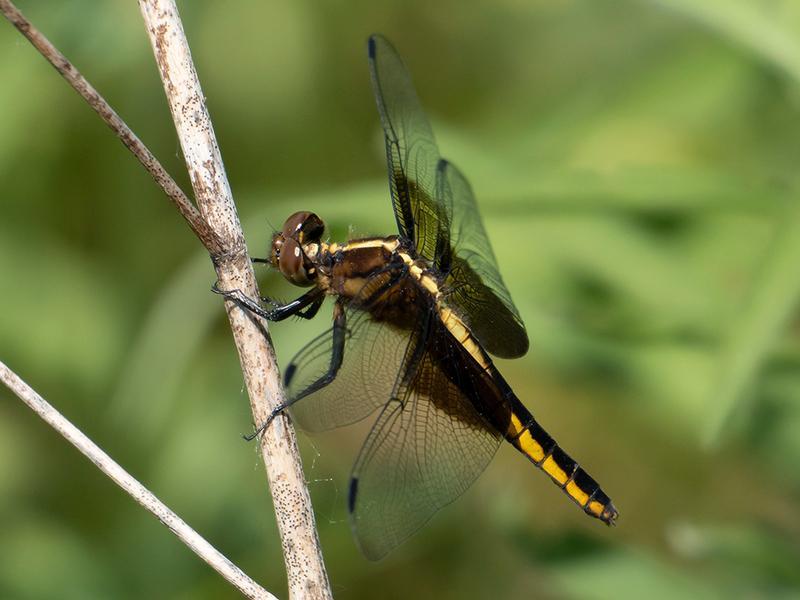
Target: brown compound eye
x,y
291,262
304,226
275,249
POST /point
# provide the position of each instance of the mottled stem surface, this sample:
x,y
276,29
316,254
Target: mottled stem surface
x,y
305,568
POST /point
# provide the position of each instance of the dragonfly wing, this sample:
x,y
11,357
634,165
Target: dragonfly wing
x,y
473,286
411,151
435,208
373,355
427,446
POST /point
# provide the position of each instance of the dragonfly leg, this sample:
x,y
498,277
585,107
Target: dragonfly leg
x,y
310,301
314,298
275,412
312,309
339,332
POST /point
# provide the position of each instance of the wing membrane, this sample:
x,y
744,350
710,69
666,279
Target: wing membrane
x,y
473,286
428,445
433,202
411,152
373,356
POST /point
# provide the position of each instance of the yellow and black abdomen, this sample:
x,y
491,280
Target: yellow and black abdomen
x,y
501,407
530,438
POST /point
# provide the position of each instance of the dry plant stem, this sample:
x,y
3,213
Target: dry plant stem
x,y
304,565
201,229
305,569
123,479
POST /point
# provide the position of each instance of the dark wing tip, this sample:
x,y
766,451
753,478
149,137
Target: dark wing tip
x,y
289,374
441,168
374,41
372,44
516,345
370,550
351,495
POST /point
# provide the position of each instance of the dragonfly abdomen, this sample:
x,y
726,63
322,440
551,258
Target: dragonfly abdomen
x,y
527,436
530,438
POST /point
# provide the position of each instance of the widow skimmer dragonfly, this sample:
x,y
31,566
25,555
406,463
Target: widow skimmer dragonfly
x,y
415,319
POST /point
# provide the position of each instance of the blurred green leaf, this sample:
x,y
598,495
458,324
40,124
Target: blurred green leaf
x,y
762,319
769,29
628,575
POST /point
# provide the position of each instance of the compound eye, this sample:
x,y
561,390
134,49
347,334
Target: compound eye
x,y
294,224
277,248
291,262
312,229
304,226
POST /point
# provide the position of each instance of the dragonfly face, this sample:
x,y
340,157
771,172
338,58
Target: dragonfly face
x,y
288,252
416,319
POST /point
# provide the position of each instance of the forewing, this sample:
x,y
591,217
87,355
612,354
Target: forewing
x,y
435,208
426,448
373,354
411,151
473,287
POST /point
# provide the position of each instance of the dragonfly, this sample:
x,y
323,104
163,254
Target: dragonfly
x,y
416,319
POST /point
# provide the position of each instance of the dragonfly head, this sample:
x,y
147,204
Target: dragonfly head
x,y
287,254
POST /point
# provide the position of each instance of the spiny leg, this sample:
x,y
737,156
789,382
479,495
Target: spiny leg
x,y
313,308
310,301
338,333
313,298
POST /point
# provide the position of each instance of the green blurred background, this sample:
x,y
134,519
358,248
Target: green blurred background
x,y
636,165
